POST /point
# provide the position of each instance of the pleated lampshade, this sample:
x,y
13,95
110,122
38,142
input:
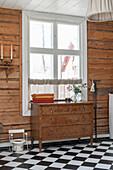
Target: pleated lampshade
x,y
100,10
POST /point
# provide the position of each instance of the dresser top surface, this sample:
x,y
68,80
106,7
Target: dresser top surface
x,y
64,103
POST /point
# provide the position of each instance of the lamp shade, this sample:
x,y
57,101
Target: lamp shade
x,y
100,10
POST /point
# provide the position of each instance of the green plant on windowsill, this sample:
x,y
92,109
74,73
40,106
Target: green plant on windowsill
x,y
77,89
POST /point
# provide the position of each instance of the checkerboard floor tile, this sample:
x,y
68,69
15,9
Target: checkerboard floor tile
x,y
63,157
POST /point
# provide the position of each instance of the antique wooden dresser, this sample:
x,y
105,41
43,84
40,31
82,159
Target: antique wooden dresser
x,y
60,120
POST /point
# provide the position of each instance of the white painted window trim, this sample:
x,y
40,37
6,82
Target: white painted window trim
x,y
26,15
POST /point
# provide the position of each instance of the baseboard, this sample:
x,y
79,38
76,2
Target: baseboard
x,y
86,139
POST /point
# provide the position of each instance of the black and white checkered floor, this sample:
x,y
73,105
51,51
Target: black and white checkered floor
x,y
65,157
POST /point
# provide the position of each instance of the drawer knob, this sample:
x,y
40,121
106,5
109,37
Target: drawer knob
x,y
83,130
83,118
83,108
51,110
51,119
51,132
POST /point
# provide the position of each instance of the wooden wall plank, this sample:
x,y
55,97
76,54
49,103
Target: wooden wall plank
x,y
102,104
100,36
100,45
9,42
9,18
14,120
105,82
103,76
13,73
100,97
102,71
16,127
14,62
100,67
9,110
9,99
103,115
7,51
100,26
9,85
102,54
11,91
9,11
8,105
99,61
9,29
102,122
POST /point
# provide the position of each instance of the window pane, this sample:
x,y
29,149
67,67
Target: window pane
x,y
60,91
68,37
41,66
68,67
41,89
63,92
41,34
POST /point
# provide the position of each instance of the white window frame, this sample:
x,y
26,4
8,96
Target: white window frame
x,y
54,18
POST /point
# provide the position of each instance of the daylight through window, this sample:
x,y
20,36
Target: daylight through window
x,y
54,54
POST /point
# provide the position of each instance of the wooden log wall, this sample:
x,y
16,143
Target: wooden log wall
x,y
11,91
100,67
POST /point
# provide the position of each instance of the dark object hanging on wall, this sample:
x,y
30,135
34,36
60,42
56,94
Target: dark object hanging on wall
x,y
94,89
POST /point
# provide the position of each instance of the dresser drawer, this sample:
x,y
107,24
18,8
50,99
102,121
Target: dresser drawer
x,y
50,110
51,133
68,119
86,108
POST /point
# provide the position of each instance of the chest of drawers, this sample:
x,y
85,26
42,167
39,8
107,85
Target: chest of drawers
x,y
55,121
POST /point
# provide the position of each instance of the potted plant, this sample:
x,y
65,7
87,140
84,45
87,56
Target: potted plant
x,y
77,89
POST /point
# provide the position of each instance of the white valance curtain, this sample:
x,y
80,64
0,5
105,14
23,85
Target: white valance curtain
x,y
100,10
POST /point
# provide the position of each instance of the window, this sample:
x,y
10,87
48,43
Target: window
x,y
68,67
53,53
52,65
41,66
68,37
41,34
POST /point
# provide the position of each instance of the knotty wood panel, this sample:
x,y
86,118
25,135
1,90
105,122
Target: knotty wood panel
x,y
7,50
100,36
100,45
100,67
99,97
9,99
9,28
100,27
14,121
11,91
9,18
102,54
10,85
14,73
